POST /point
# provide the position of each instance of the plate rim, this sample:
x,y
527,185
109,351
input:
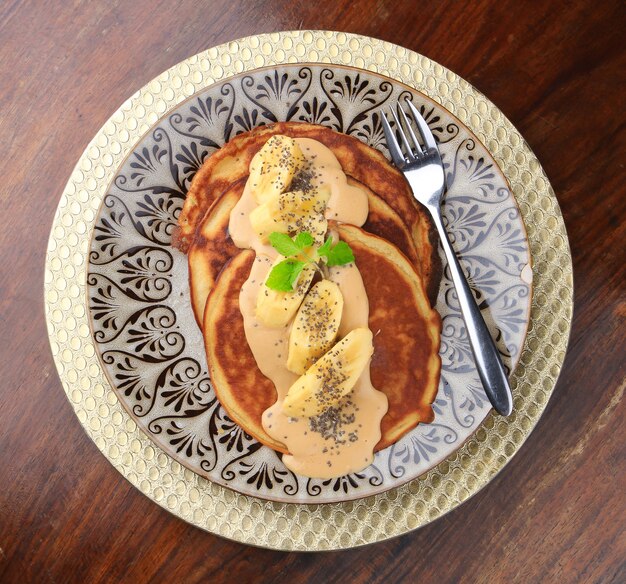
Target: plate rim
x,y
331,42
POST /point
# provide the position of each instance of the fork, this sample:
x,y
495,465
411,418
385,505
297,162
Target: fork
x,y
422,167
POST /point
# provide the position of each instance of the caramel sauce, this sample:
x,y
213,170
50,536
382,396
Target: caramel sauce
x,y
324,446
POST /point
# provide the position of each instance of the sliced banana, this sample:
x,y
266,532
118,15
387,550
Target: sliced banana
x,y
273,167
331,377
315,327
293,212
275,308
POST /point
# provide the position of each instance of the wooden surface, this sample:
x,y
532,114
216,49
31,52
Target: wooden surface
x,y
555,514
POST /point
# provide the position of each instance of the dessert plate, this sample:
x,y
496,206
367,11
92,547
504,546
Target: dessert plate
x,y
136,371
137,284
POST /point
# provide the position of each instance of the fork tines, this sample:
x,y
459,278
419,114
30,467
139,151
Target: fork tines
x,y
404,127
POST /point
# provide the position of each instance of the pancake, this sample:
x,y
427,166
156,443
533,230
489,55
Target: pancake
x,y
405,365
244,392
211,249
212,246
366,165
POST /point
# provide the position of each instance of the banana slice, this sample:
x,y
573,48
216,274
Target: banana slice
x,y
294,211
275,308
273,167
332,376
315,327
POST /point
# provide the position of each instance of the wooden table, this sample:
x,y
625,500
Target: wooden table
x,y
556,514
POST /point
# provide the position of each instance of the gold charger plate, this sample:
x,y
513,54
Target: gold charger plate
x,y
288,525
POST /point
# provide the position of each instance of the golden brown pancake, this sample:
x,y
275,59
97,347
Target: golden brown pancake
x,y
230,164
211,249
212,246
244,392
405,365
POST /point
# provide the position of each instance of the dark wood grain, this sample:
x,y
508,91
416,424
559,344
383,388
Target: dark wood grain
x,y
556,514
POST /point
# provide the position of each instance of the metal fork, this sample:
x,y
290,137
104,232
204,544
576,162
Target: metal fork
x,y
422,167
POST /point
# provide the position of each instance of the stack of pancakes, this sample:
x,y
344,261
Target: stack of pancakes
x,y
395,252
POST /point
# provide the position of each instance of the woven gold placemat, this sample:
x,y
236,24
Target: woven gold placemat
x,y
249,519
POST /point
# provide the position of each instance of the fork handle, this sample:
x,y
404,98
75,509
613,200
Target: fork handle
x,y
488,363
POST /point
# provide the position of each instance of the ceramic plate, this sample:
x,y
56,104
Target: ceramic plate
x,y
131,358
138,288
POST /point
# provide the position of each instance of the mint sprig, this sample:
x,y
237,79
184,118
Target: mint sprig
x,y
336,255
284,275
286,246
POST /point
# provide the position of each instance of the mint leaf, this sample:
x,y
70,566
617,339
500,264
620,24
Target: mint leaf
x,y
324,249
336,255
284,275
295,273
304,239
283,244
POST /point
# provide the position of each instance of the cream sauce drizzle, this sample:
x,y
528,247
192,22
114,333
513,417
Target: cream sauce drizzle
x,y
347,203
311,454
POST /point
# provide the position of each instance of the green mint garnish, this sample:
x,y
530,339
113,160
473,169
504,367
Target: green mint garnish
x,y
283,244
304,239
336,255
284,275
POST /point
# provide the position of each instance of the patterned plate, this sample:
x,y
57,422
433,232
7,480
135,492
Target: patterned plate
x,y
130,356
139,294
